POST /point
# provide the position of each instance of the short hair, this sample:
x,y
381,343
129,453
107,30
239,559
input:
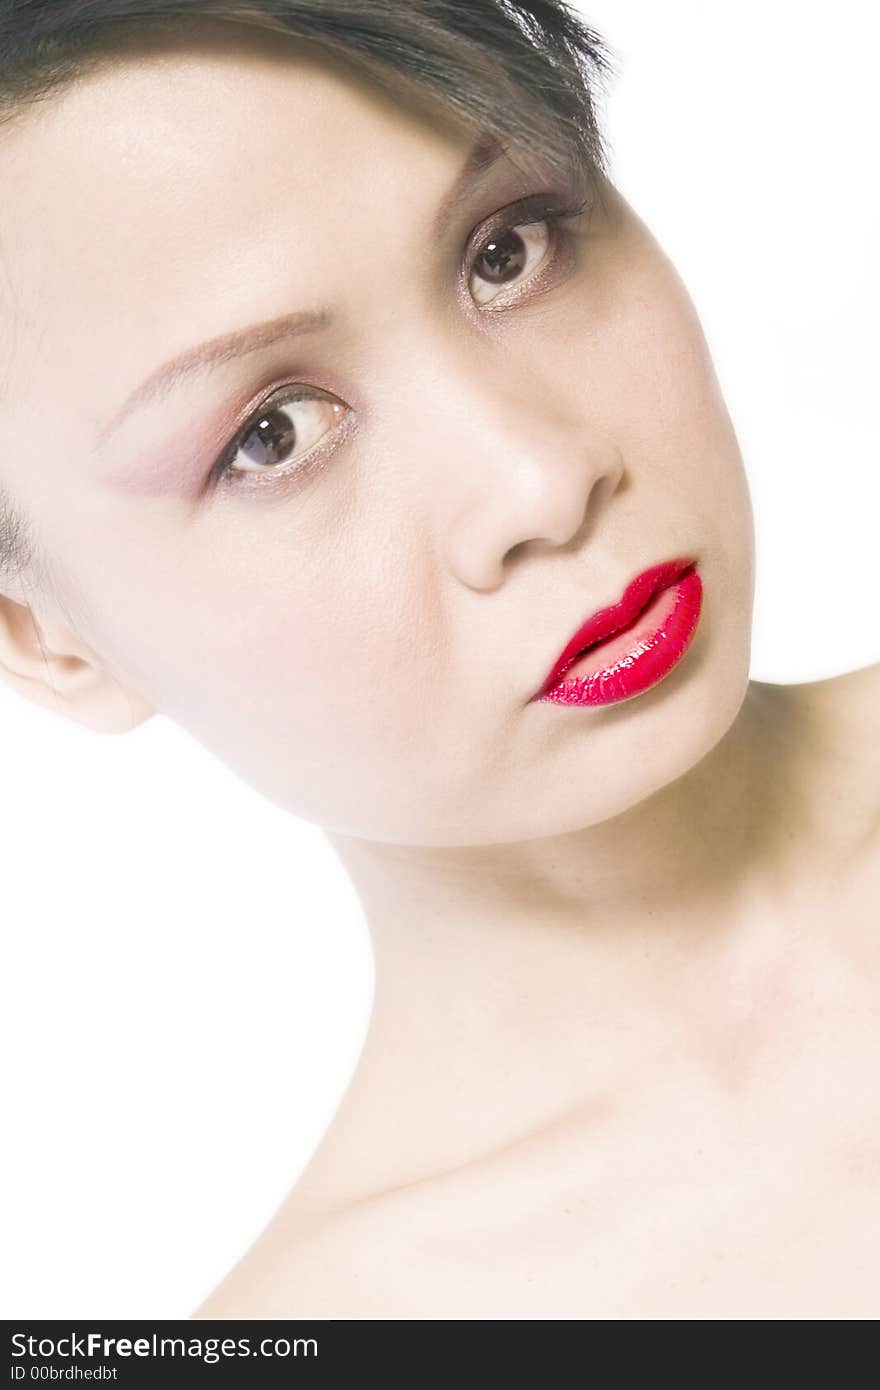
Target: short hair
x,y
522,69
17,541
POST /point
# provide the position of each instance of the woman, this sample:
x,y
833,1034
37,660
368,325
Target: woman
x,y
380,406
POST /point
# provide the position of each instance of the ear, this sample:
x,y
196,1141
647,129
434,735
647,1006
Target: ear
x,y
46,661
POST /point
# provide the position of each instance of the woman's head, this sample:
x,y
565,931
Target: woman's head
x,y
345,558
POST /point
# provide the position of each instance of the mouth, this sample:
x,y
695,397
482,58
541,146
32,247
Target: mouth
x,y
596,681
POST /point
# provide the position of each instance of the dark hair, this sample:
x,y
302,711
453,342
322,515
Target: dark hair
x,y
521,69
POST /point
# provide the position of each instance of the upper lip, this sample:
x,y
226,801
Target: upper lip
x,y
636,596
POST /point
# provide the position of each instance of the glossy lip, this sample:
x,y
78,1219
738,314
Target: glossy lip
x,y
636,597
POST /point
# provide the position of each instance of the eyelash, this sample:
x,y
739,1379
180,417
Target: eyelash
x,y
222,471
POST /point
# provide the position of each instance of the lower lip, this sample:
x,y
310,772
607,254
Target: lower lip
x,y
635,659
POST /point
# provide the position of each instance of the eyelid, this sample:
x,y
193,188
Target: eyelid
x,y
550,207
302,467
532,208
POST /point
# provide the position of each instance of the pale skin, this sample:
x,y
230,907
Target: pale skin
x,y
621,1060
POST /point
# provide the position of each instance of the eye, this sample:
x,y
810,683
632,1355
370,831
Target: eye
x,y
292,430
518,250
296,428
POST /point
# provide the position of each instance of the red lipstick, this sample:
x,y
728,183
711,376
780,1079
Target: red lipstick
x,y
630,646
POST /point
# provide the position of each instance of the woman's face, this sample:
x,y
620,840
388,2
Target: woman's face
x,y
452,473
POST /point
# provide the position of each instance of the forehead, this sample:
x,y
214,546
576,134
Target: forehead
x,y
170,120
181,175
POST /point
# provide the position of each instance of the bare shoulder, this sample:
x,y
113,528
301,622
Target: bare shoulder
x,y
442,1247
354,1263
836,723
289,1275
842,715
849,702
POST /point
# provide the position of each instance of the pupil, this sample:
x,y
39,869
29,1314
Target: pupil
x,y
273,435
506,254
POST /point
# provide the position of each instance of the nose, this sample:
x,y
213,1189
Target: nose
x,y
518,474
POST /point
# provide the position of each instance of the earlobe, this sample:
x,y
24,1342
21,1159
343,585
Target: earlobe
x,y
43,659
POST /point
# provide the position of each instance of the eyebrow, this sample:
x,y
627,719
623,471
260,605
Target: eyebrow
x,y
485,152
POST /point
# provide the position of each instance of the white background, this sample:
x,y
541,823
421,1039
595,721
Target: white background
x,y
186,978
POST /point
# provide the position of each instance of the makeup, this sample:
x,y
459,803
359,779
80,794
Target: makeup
x,y
627,648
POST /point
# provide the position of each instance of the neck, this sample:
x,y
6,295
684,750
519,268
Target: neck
x,y
515,984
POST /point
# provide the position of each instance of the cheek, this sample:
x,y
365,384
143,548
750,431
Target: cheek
x,y
651,387
648,383
318,682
